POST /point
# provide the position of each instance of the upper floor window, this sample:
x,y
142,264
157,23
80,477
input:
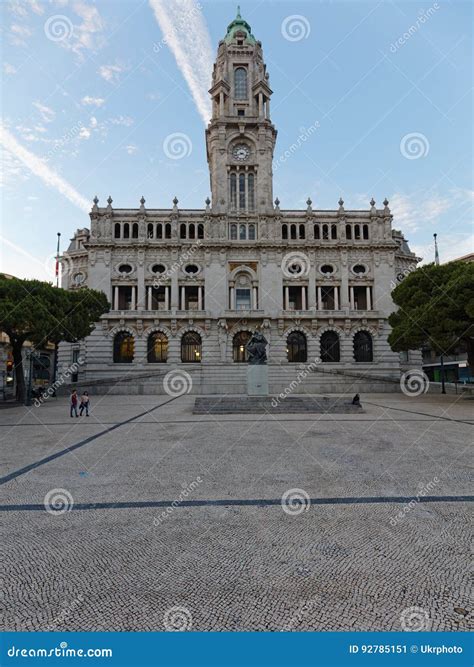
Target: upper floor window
x,y
240,83
242,191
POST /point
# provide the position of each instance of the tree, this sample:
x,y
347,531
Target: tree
x,y
40,313
435,307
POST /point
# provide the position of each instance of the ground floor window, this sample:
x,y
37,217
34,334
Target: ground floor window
x,y
296,347
363,347
124,347
239,346
329,347
191,347
157,352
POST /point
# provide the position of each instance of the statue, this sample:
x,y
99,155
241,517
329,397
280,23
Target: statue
x,y
257,349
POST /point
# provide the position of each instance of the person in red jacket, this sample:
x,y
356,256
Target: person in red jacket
x,y
74,403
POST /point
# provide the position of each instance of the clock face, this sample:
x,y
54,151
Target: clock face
x,y
241,152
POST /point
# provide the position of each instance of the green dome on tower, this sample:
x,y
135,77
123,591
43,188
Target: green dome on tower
x,y
239,25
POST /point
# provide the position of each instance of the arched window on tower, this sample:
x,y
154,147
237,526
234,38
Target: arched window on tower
x,y
284,232
251,232
302,232
117,230
334,231
150,231
233,191
192,231
135,230
126,231
348,232
200,231
240,83
182,230
365,232
317,233
167,231
251,192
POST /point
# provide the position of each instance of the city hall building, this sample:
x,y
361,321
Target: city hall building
x,y
187,287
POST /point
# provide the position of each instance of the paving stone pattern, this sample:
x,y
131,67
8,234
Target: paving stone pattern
x,y
316,567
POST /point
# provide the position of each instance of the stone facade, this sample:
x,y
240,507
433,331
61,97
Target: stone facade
x,y
187,286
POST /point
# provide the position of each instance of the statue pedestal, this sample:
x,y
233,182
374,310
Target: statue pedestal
x,y
257,380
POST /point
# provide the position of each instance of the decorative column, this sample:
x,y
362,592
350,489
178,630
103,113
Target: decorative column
x,y
255,299
336,298
149,298
134,297
182,305
116,298
303,298
287,298
232,298
320,298
351,297
368,297
167,297
200,297
221,104
260,105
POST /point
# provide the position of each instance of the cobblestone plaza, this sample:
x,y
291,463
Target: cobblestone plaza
x,y
159,519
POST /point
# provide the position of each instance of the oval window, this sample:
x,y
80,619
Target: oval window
x,y
327,269
192,268
79,278
359,269
125,268
158,268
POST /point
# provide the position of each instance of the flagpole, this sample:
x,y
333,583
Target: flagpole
x,y
57,260
436,249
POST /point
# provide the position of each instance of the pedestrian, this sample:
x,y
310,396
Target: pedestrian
x,y
74,403
84,404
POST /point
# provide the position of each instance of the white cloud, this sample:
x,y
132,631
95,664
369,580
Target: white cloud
x,y
127,121
42,171
9,69
85,133
131,149
111,73
191,47
19,34
92,101
412,212
47,114
93,122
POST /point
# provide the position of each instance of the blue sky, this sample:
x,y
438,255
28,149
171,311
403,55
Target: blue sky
x,y
94,94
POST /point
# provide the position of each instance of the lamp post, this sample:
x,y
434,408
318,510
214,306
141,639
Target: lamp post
x,y
443,387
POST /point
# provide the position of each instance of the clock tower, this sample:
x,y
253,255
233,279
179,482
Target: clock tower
x,y
240,137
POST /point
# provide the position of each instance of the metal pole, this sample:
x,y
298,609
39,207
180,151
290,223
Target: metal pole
x,y
57,260
30,373
443,388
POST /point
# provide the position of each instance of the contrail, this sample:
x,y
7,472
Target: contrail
x,y
38,167
185,32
